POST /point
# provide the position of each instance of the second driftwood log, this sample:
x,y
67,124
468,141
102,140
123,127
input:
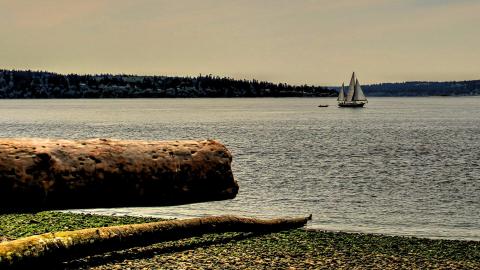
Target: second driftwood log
x,y
38,174
67,245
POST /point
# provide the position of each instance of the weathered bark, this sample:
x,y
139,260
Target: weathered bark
x,y
61,246
37,174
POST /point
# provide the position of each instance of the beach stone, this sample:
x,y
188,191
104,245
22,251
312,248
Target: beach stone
x,y
39,174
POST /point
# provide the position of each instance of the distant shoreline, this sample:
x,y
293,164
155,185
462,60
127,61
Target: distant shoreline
x,y
26,84
423,88
185,98
40,84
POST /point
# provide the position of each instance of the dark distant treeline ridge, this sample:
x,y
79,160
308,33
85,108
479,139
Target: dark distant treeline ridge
x,y
39,84
419,88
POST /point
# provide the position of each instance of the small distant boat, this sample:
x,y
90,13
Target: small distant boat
x,y
323,105
355,96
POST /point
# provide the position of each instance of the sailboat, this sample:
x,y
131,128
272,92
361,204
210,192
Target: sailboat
x,y
355,96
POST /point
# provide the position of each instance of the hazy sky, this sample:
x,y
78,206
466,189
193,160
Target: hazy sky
x,y
294,41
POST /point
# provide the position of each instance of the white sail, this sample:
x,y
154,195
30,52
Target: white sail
x,y
341,95
358,96
351,88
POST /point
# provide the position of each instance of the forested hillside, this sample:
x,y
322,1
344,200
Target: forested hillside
x,y
36,84
454,88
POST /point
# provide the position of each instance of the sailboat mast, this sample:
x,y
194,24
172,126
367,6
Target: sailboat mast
x,y
355,92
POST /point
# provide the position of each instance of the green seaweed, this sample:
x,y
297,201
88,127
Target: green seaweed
x,y
14,226
295,249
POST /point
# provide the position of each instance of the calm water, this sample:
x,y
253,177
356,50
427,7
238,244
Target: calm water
x,y
408,166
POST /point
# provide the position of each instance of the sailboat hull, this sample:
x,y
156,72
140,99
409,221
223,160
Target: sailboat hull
x,y
352,105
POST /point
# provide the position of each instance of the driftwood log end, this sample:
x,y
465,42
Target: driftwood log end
x,y
39,174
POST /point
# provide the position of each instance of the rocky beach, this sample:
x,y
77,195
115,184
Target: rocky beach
x,y
294,249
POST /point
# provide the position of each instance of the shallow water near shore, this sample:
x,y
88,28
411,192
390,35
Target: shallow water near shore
x,y
401,166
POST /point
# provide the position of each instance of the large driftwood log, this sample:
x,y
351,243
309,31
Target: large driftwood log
x,y
61,246
37,174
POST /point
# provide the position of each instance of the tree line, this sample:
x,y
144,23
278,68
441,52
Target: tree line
x,y
421,88
40,84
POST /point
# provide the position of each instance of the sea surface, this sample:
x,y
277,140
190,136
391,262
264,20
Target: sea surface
x,y
400,166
